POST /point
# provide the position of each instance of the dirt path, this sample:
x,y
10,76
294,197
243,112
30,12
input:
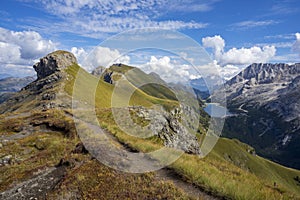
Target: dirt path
x,y
46,180
163,174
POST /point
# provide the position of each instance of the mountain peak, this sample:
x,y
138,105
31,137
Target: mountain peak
x,y
264,73
54,62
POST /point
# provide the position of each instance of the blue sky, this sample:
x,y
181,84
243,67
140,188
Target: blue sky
x,y
235,33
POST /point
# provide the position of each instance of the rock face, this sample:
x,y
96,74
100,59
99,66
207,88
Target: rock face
x,y
265,99
105,74
98,71
264,80
108,77
168,127
54,62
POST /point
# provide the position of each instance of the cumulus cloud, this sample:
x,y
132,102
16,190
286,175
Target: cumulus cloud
x,y
31,44
99,56
235,56
10,53
296,45
245,56
79,53
19,50
169,69
230,62
217,43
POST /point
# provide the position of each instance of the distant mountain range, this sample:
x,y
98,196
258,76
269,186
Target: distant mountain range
x,y
265,99
13,84
10,85
2,76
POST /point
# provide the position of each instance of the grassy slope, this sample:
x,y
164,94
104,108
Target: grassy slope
x,y
229,170
263,168
155,86
85,178
245,176
86,81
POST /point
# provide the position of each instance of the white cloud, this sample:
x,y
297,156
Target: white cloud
x,y
94,18
30,43
229,63
79,53
19,50
245,56
277,44
217,43
162,65
296,45
234,56
191,5
192,76
99,56
228,71
213,69
10,53
253,24
168,69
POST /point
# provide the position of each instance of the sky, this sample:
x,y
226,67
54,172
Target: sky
x,y
234,33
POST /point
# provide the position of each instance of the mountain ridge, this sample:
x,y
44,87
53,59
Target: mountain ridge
x,y
40,138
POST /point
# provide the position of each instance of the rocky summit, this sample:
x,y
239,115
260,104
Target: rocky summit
x,y
47,91
265,101
53,62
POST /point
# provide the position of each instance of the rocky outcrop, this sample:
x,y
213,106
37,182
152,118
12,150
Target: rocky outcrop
x,y
104,74
168,127
108,77
98,71
54,62
48,90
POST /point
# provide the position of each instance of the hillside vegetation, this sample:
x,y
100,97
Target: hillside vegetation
x,y
42,156
232,169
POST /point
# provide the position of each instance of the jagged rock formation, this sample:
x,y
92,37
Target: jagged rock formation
x,y
265,99
54,62
168,126
47,91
